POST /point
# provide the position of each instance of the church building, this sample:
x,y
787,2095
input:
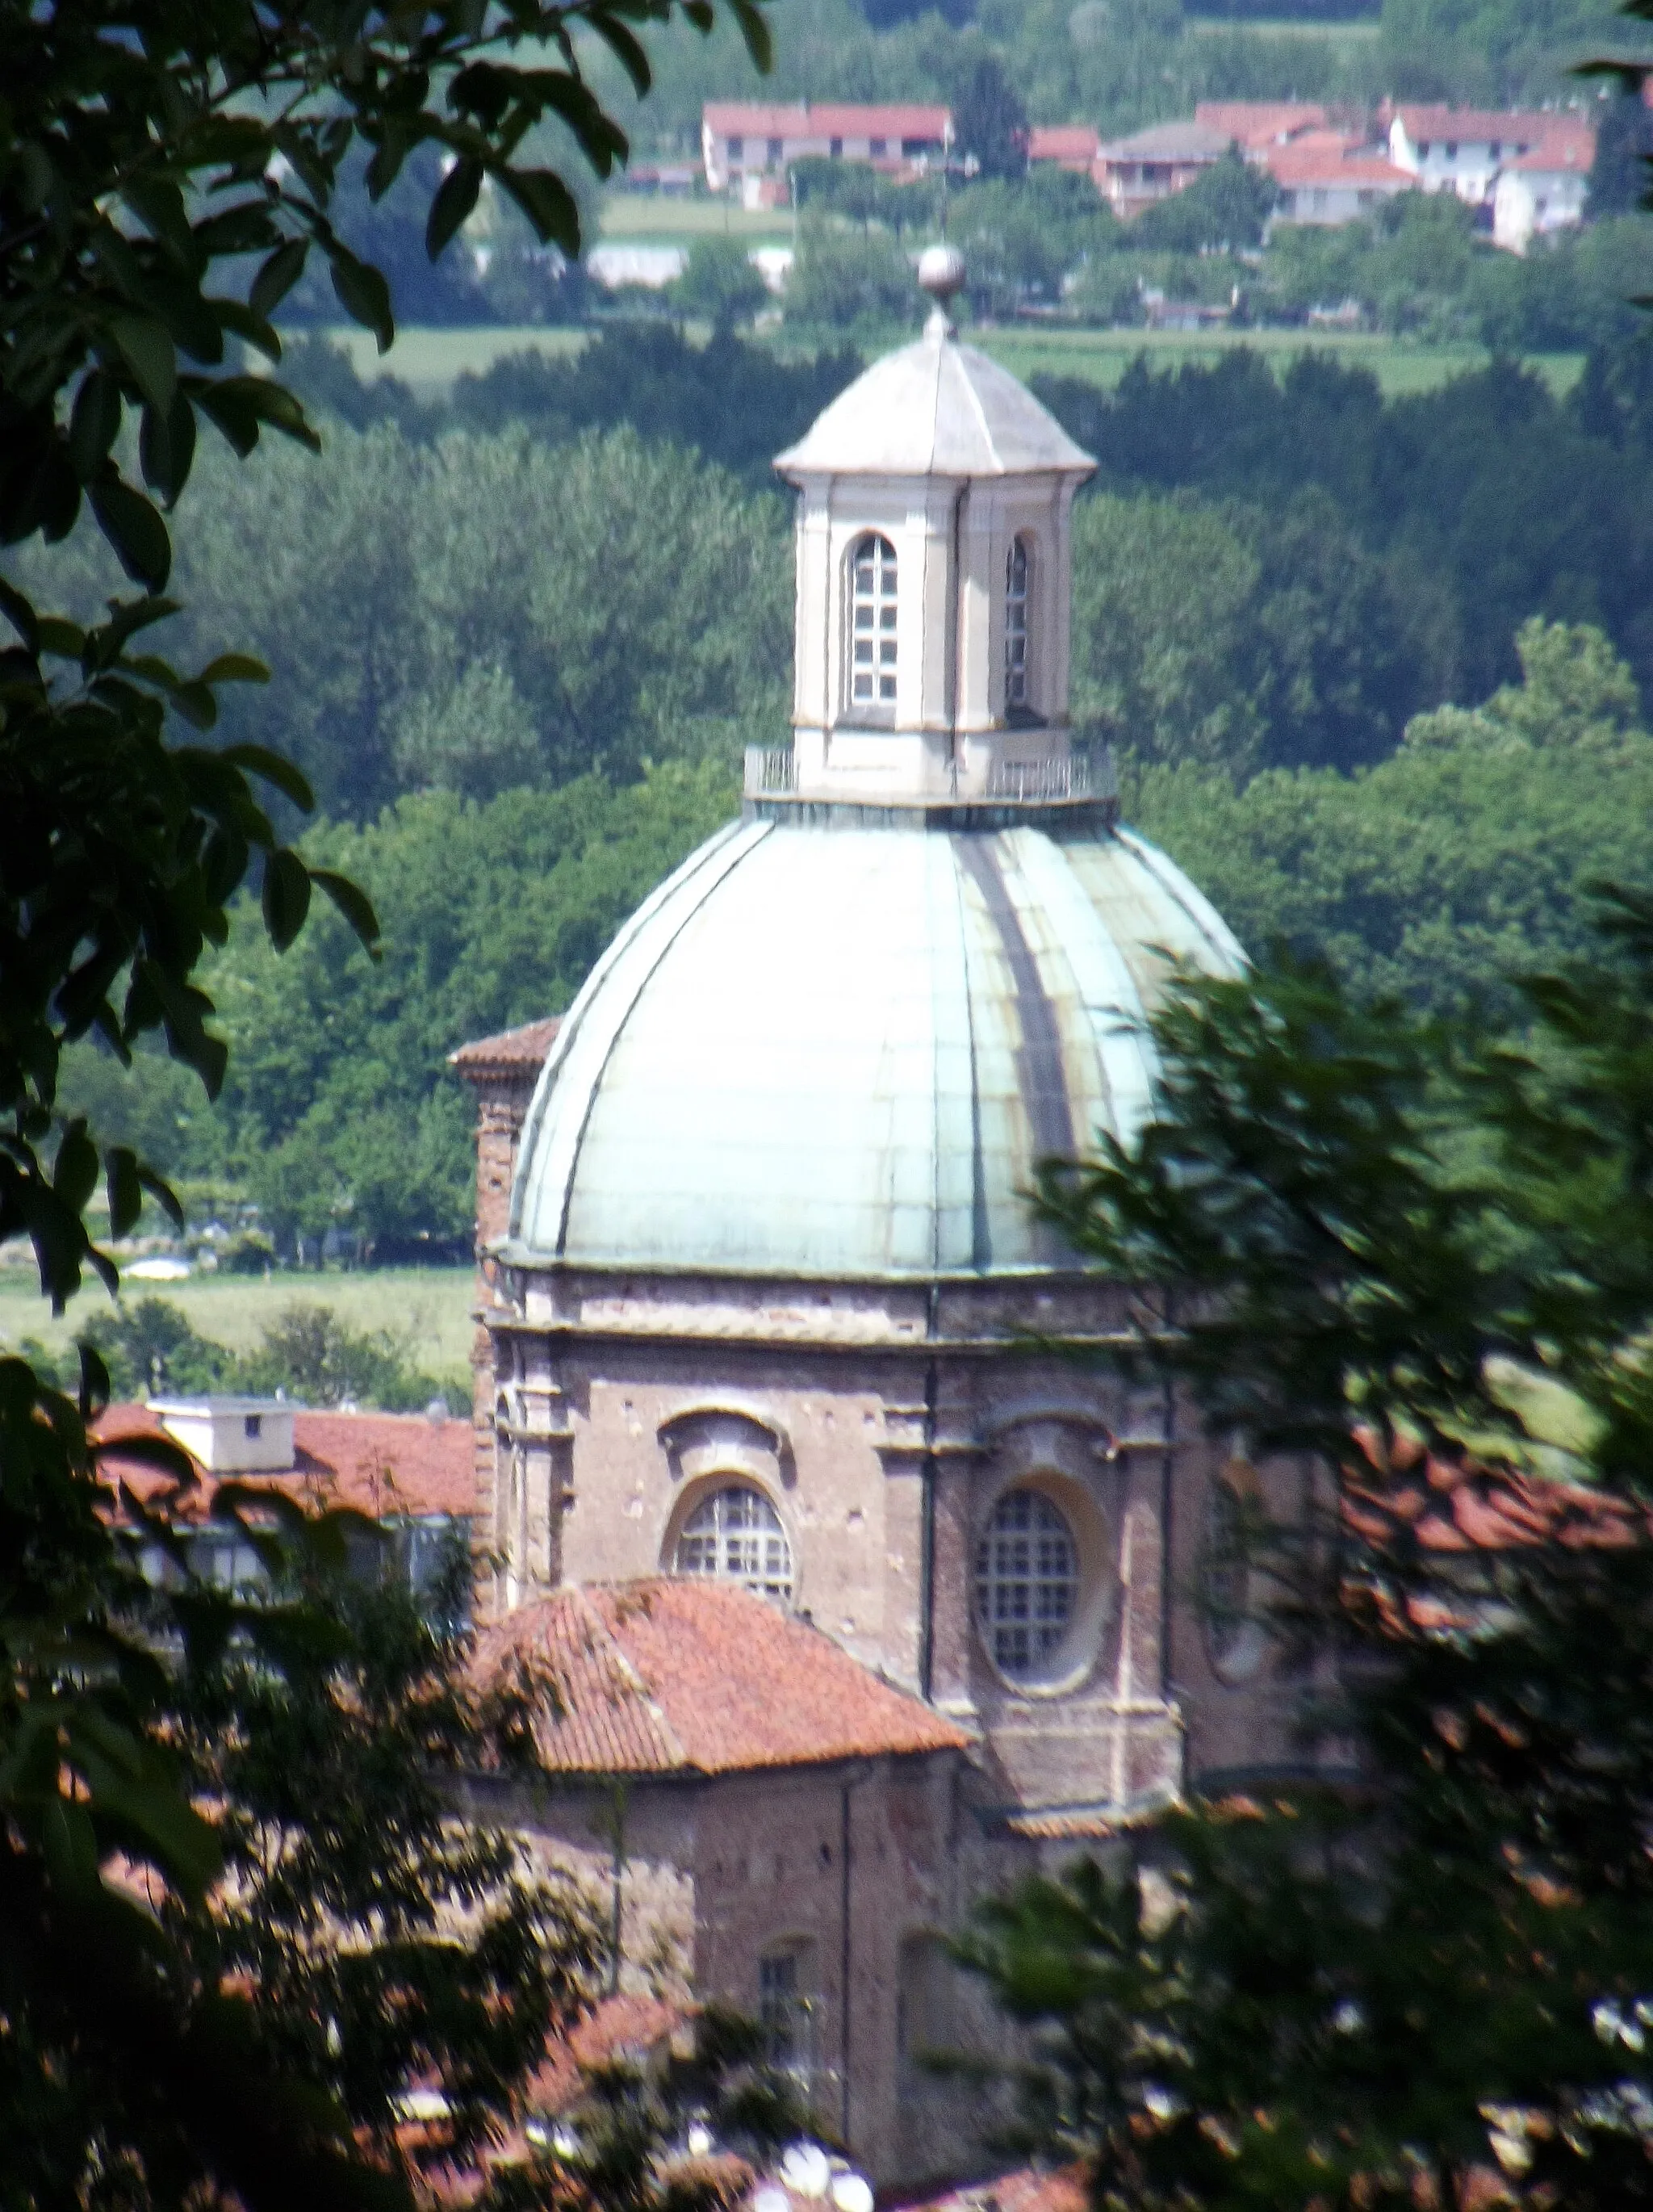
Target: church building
x,y
768,1329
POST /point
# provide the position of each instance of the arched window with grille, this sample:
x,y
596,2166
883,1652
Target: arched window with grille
x,y
1019,565
1027,1581
734,1535
872,636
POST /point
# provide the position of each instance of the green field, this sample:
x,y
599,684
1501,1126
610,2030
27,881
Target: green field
x,y
1402,366
430,360
642,218
426,1309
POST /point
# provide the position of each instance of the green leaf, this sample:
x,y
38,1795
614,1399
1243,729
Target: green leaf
x,y
549,205
273,768
627,49
286,896
353,903
21,616
276,277
74,1171
95,424
125,1191
456,196
69,1843
146,348
363,294
754,30
135,531
236,668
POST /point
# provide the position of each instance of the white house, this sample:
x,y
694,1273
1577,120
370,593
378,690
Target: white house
x,y
1463,150
1331,183
1545,191
744,141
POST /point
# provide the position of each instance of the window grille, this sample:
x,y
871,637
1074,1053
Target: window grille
x,y
1226,1577
1027,1580
736,1535
873,622
785,2015
1016,582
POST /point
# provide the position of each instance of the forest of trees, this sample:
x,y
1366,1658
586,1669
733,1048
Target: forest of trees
x,y
1374,673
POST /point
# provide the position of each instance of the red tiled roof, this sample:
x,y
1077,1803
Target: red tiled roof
x,y
761,118
1293,166
1475,127
1260,122
1573,148
628,2028
1462,1505
680,1675
384,1464
513,1051
1027,2190
1061,142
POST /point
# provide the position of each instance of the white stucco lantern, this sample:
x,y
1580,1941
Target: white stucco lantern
x,y
935,576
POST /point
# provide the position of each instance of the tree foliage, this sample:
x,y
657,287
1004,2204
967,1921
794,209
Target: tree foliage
x,y
179,2020
1419,1252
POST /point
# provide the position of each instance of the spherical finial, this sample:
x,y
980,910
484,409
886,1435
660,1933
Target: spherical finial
x,y
941,273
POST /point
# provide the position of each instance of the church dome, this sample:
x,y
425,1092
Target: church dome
x,y
827,1050
839,1041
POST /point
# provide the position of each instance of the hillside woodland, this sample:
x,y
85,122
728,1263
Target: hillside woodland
x,y
1374,673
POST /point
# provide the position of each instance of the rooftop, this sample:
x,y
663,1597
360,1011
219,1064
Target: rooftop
x,y
1256,122
679,1676
765,118
936,408
1169,142
1061,142
1475,127
513,1052
383,1464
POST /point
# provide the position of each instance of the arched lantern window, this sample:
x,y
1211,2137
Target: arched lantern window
x,y
873,622
1017,573
735,1536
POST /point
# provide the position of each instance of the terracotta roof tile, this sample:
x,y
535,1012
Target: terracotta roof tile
x,y
513,1051
1260,122
1476,126
1061,142
761,119
680,1675
1295,165
1029,2188
384,1464
627,2029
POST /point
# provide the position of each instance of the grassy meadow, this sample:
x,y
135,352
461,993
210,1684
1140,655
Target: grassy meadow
x,y
430,360
426,1310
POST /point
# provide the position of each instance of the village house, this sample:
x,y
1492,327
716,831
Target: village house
x,y
748,146
1132,174
1323,179
1463,150
1543,191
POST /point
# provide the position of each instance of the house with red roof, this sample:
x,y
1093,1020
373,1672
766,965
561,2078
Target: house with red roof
x,y
746,144
1323,179
763,1820
415,1473
1063,146
1544,190
1466,149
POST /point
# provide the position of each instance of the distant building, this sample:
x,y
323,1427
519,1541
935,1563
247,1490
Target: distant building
x,y
1063,146
743,141
1132,174
1254,124
1544,192
1322,183
1462,149
414,1473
